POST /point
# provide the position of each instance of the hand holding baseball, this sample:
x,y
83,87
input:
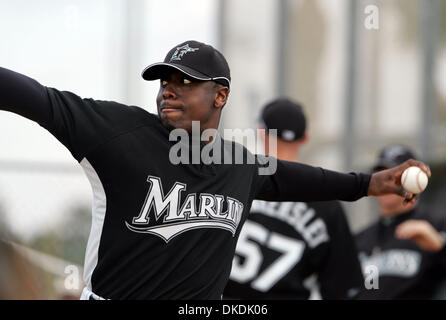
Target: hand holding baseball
x,y
414,180
390,181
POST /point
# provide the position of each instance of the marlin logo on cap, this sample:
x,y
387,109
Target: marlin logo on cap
x,y
181,51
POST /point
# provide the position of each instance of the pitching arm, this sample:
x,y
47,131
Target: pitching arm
x,y
79,124
299,182
24,96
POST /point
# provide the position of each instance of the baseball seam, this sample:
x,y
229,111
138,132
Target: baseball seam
x,y
418,181
403,182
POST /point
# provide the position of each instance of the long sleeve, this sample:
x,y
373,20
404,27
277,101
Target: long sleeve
x,y
79,124
24,96
303,183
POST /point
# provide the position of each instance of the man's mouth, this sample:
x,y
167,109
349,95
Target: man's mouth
x,y
165,107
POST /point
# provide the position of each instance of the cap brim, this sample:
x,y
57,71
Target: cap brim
x,y
157,70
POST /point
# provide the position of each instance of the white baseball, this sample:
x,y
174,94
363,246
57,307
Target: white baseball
x,y
414,180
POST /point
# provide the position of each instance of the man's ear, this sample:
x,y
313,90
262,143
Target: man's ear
x,y
262,134
221,96
305,138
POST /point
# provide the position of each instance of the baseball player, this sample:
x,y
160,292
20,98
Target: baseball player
x,y
163,229
283,245
403,255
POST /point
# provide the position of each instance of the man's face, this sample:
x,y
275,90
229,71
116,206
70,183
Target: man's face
x,y
182,99
391,205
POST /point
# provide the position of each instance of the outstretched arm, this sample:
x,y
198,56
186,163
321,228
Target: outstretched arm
x,y
79,124
299,182
24,96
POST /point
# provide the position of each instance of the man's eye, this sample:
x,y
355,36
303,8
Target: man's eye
x,y
186,81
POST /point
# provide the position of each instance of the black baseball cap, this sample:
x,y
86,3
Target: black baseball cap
x,y
286,116
393,155
196,59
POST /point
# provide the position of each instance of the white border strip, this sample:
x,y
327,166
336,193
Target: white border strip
x,y
97,221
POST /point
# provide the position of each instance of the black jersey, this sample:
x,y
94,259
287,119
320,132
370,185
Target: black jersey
x,y
402,270
160,230
283,245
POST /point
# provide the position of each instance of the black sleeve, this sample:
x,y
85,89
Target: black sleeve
x,y
341,275
440,226
303,183
79,124
442,253
24,96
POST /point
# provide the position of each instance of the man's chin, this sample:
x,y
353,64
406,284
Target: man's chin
x,y
171,125
168,124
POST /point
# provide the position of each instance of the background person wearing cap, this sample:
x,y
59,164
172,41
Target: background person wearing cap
x,y
162,230
295,241
406,245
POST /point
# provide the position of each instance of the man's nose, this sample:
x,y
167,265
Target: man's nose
x,y
169,92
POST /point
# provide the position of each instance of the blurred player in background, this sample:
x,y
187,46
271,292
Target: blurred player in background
x,y
406,246
283,246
